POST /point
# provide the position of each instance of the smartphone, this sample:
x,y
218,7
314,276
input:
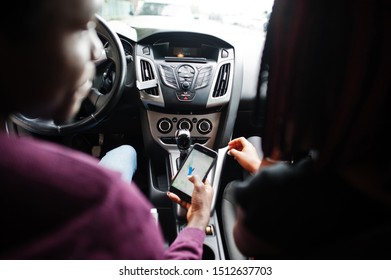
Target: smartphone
x,y
200,161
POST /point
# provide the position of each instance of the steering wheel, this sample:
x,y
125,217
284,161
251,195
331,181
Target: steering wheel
x,y
104,95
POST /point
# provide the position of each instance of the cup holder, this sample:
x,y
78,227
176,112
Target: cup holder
x,y
208,253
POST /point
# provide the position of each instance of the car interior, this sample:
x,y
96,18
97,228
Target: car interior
x,y
155,82
150,85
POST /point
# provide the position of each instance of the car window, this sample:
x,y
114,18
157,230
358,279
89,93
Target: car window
x,y
248,14
164,9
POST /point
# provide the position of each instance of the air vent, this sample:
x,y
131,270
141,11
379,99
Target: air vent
x,y
222,81
148,75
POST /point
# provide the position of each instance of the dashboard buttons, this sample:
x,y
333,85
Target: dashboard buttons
x,y
167,73
186,72
185,95
185,76
185,85
185,79
185,124
204,126
203,77
164,125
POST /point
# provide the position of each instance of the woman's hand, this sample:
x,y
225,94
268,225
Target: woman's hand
x,y
245,154
198,211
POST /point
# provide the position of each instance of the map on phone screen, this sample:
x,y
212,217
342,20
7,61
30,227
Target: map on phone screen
x,y
196,163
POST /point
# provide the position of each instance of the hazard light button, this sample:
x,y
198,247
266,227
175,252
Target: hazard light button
x,y
185,95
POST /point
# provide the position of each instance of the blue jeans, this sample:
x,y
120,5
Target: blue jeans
x,y
122,159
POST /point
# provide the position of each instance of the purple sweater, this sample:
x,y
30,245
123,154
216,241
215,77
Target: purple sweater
x,y
57,203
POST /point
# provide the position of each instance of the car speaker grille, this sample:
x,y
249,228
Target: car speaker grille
x,y
222,81
147,74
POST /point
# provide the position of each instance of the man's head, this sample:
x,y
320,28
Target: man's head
x,y
49,50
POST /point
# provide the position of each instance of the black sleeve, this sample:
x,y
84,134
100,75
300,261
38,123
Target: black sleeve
x,y
305,213
278,202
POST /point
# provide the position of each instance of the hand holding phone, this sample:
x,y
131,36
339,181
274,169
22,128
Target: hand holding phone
x,y
200,161
198,211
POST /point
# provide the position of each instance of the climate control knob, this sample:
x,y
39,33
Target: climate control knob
x,y
204,126
185,124
164,125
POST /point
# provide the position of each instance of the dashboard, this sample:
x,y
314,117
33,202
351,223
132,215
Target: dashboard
x,y
203,78
189,77
185,81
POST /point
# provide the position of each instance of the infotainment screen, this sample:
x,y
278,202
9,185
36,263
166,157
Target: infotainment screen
x,y
180,51
184,52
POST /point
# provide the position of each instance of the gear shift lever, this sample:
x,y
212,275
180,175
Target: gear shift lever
x,y
183,141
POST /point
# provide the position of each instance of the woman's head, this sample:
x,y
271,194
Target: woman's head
x,y
329,81
49,57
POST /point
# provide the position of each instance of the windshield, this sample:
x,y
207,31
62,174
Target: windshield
x,y
248,14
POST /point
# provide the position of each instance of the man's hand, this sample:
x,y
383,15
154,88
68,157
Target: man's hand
x,y
198,211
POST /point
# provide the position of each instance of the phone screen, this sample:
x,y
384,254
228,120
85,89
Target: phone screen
x,y
197,162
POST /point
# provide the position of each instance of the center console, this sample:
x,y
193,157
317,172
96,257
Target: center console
x,y
185,82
